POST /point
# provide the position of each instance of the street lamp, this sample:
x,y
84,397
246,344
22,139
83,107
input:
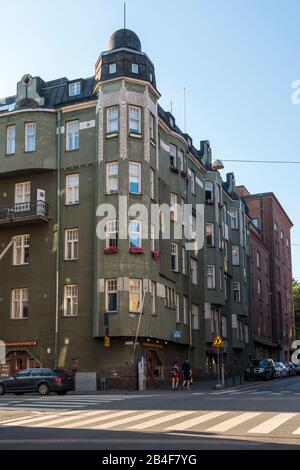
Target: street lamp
x,y
217,165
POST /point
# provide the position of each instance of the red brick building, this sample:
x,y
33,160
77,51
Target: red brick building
x,y
273,321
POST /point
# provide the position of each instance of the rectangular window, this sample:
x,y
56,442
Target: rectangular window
x,y
111,295
225,287
258,259
193,182
194,271
210,235
181,160
74,88
111,232
21,250
234,218
112,120
174,207
215,320
153,297
236,291
173,155
135,120
30,131
135,177
135,68
185,310
152,127
71,244
112,68
72,138
19,304
209,192
246,332
152,183
177,297
153,244
183,253
224,327
22,196
259,287
240,330
135,233
71,300
221,278
174,257
72,189
10,140
211,276
235,255
195,317
112,177
135,295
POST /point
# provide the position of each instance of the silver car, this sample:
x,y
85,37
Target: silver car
x,y
280,370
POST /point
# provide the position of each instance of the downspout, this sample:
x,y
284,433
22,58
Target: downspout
x,y
57,233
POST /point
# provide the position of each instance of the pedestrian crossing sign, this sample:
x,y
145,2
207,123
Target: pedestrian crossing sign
x,y
218,342
107,341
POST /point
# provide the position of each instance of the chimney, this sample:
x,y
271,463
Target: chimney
x,y
205,152
230,179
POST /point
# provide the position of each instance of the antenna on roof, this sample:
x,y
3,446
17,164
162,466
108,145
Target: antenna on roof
x,y
184,110
124,15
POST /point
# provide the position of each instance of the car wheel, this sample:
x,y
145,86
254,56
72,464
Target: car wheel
x,y
62,393
2,389
43,389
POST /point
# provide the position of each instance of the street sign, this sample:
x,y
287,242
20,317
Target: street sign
x,y
218,342
107,341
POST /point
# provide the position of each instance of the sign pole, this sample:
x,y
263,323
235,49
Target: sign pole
x,y
218,366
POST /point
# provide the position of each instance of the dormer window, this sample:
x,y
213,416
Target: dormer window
x,y
189,142
74,89
112,68
151,77
134,68
171,122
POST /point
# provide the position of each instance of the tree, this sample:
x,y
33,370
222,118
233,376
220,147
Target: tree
x,y
296,295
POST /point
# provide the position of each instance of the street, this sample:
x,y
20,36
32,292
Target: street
x,y
262,415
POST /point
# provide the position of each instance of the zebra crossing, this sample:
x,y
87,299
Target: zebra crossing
x,y
233,393
233,423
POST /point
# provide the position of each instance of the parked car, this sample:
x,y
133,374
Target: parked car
x,y
290,368
260,369
42,381
297,369
281,370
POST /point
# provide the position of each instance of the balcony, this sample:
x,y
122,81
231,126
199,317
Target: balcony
x,y
25,212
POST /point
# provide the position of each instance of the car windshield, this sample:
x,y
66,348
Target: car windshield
x,y
277,364
61,373
260,363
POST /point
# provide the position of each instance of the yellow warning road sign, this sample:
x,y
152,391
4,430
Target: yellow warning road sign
x,y
218,342
107,341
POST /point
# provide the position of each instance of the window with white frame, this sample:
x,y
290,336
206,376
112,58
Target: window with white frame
x,y
215,315
111,297
21,250
135,68
221,279
30,131
112,177
72,189
135,119
234,218
173,155
185,310
71,300
112,120
135,177
182,207
22,196
181,160
210,235
10,140
194,271
111,233
193,182
258,263
135,295
240,330
211,276
152,183
225,287
174,257
19,304
152,127
258,286
235,255
209,192
74,88
236,291
135,233
72,135
177,301
174,207
170,297
153,297
195,317
112,68
224,326
153,244
71,244
183,253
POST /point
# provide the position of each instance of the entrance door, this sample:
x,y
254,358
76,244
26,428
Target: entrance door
x,y
17,361
154,366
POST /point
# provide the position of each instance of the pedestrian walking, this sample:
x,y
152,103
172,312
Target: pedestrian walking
x,y
175,375
186,370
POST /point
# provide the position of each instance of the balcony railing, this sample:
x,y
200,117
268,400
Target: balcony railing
x,y
24,211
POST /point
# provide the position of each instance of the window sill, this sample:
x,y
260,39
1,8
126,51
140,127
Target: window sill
x,y
135,194
113,311
111,135
111,192
72,150
72,204
70,260
135,135
18,319
29,151
209,203
10,154
70,316
19,265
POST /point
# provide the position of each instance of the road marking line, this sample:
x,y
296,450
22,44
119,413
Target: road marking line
x,y
164,419
119,422
20,421
272,423
65,419
98,418
190,423
232,422
46,406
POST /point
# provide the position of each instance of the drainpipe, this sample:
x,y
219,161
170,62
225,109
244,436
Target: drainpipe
x,y
57,229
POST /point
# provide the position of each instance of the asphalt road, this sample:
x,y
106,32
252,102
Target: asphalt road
x,y
259,416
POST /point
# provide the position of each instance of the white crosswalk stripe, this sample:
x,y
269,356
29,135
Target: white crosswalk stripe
x,y
65,419
157,421
96,419
272,423
122,421
232,422
190,423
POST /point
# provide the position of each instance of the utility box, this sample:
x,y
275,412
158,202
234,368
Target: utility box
x,y
142,373
86,382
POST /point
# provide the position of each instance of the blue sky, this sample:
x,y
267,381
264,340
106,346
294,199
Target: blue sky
x,y
236,58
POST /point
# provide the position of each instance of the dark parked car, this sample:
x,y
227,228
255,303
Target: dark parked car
x,y
297,369
42,381
260,369
291,368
